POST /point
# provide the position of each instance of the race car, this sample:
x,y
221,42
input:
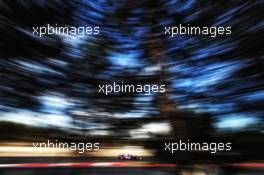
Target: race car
x,y
129,157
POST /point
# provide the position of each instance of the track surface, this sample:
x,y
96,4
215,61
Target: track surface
x,y
112,166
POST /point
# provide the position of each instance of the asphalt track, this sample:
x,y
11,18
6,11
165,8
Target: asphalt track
x,y
112,166
81,166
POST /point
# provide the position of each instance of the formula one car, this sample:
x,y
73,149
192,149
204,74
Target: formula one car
x,y
129,157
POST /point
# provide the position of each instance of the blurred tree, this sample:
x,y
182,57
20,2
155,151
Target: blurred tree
x,y
221,75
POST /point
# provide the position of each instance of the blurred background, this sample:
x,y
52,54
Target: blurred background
x,y
215,86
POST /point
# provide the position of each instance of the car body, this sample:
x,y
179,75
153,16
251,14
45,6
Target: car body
x,y
129,157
